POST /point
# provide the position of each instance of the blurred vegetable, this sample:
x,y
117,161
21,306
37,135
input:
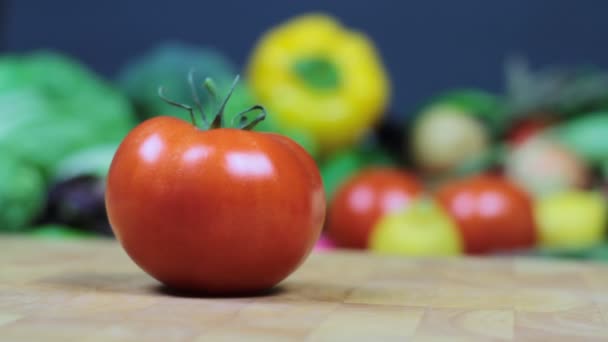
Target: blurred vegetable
x,y
58,232
78,202
492,214
166,65
22,193
50,106
541,165
444,137
73,91
21,106
364,198
53,106
316,75
482,105
596,253
91,161
586,135
556,91
76,194
423,229
55,138
571,219
525,129
341,165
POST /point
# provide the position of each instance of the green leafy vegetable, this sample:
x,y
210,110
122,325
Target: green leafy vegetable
x,y
51,106
22,193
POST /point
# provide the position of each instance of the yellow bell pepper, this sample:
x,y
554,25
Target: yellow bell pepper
x,y
316,75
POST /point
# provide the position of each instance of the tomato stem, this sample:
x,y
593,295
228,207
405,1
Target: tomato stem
x,y
196,98
218,120
240,121
180,105
242,118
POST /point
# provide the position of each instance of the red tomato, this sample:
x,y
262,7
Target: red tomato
x,y
492,213
526,129
363,199
219,211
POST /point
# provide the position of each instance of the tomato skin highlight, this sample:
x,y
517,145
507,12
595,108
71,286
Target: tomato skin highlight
x,y
492,213
218,211
365,198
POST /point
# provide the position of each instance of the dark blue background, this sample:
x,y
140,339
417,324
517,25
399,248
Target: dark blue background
x,y
428,46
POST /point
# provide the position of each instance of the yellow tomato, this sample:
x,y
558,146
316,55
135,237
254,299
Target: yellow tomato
x,y
571,219
423,229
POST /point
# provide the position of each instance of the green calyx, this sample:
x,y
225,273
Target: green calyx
x,y
318,73
240,121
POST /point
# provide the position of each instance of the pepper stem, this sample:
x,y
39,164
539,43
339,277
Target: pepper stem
x,y
317,72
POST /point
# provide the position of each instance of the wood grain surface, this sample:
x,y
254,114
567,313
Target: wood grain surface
x,y
91,291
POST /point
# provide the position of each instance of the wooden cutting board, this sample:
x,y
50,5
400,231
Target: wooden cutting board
x,y
91,291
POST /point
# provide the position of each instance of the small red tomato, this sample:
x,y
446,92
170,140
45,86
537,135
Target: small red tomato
x,y
526,129
492,213
363,199
218,211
